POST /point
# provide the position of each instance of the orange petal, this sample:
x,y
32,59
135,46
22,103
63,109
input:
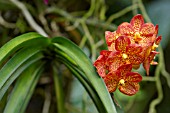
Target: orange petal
x,y
133,77
150,58
112,47
110,37
147,29
136,59
124,69
100,65
146,49
111,81
105,53
121,43
146,65
133,49
130,88
125,29
114,61
158,40
137,22
156,30
133,52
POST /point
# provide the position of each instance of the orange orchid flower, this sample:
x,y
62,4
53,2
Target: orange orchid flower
x,y
126,52
127,82
140,32
129,46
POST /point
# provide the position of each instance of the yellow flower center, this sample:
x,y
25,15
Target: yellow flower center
x,y
124,56
154,46
122,82
137,35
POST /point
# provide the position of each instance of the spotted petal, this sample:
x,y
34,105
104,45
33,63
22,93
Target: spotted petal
x,y
133,51
100,63
133,77
121,43
147,29
124,69
114,61
111,81
110,37
105,53
125,29
130,88
137,22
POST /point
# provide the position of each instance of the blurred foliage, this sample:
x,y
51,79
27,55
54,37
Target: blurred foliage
x,y
84,22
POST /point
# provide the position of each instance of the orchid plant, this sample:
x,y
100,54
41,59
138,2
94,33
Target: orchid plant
x,y
25,58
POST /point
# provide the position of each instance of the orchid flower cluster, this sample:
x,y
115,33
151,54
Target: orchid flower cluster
x,y
131,45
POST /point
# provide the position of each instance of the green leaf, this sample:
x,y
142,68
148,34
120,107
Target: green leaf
x,y
87,85
86,66
17,73
16,61
24,89
25,40
58,91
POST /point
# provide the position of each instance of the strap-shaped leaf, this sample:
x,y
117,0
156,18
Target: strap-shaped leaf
x,y
16,61
87,85
64,58
23,89
17,73
86,66
29,39
58,91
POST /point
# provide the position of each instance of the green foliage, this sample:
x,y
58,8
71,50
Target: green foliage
x,y
26,56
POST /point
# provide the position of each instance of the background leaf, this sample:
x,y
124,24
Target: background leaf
x,y
23,89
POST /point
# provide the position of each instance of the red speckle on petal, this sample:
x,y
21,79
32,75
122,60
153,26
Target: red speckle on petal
x,y
125,29
121,43
137,22
147,29
129,88
111,81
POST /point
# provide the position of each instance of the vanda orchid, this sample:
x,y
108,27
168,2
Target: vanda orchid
x,y
129,46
